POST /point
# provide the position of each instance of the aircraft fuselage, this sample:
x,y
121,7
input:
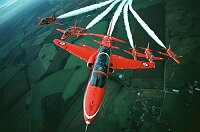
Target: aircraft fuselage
x,y
96,85
149,55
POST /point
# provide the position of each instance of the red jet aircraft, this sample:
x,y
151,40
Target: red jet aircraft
x,y
48,20
102,63
135,53
149,55
171,54
72,31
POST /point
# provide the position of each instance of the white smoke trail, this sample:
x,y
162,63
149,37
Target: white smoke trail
x,y
85,9
116,15
145,26
102,15
127,26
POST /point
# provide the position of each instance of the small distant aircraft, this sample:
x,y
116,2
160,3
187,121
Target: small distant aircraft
x,y
135,53
102,62
72,31
171,54
48,20
149,55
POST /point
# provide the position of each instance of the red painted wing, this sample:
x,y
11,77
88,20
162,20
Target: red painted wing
x,y
60,30
179,56
56,23
90,49
165,54
176,60
84,52
119,62
128,52
158,58
140,55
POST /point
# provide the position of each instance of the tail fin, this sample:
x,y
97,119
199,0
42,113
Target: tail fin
x,y
79,24
148,46
40,18
134,48
169,47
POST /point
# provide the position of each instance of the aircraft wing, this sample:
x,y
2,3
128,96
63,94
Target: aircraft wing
x,y
56,23
128,52
165,54
179,56
140,55
93,50
119,62
176,60
83,52
60,30
158,58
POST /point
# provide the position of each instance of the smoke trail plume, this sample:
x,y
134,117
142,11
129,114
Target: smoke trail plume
x,y
127,26
117,14
145,26
102,15
85,9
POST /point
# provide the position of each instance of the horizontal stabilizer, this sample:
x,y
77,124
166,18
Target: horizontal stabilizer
x,y
180,56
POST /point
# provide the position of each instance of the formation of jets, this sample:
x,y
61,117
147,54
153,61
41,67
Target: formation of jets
x,y
102,62
148,54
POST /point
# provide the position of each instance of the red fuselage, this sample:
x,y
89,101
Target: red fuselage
x,y
48,20
96,85
149,55
134,53
72,32
172,55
